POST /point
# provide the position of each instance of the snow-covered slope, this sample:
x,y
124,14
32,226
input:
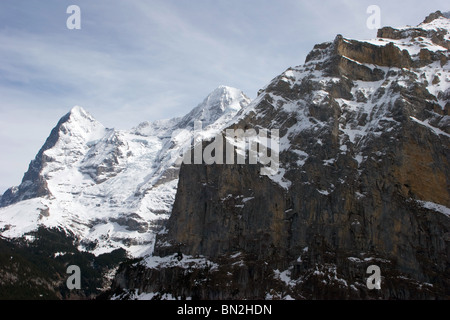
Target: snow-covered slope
x,y
110,188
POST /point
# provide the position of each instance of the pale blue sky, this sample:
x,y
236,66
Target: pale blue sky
x,y
147,60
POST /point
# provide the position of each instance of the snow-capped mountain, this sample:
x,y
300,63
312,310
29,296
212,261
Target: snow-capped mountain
x,y
110,188
364,180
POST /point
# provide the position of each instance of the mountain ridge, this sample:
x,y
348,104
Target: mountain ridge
x,y
363,180
87,179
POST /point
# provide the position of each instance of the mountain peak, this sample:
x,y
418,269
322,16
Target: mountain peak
x,y
224,99
431,34
224,95
438,22
436,15
77,109
219,106
68,137
225,90
81,123
77,113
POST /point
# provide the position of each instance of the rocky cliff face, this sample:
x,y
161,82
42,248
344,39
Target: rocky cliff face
x,y
364,180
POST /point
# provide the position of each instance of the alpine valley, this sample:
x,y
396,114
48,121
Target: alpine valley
x,y
364,180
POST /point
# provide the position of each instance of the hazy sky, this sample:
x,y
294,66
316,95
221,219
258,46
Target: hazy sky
x,y
153,59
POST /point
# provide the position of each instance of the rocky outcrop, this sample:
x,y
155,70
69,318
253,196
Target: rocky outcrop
x,y
437,35
366,53
364,180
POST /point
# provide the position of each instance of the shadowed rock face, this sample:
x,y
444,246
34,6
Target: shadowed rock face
x,y
364,180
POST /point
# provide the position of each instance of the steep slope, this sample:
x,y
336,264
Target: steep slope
x,y
69,137
109,188
363,180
